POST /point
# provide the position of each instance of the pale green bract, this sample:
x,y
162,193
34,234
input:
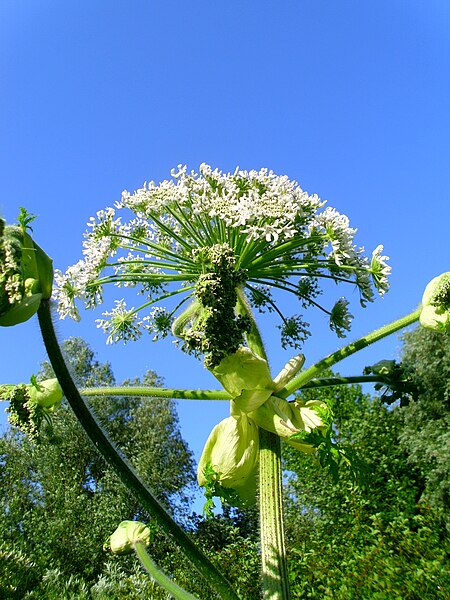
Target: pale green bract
x,y
435,312
278,237
246,377
231,451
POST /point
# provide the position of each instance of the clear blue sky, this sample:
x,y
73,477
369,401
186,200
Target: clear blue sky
x,y
350,98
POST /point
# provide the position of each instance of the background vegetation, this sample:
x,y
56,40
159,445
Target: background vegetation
x,y
383,533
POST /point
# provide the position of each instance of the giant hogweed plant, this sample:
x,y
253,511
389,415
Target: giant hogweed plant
x,y
206,252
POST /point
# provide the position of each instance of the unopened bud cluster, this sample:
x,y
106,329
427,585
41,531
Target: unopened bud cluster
x,y
31,404
125,537
26,272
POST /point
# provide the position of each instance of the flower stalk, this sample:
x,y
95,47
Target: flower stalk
x,y
159,576
157,392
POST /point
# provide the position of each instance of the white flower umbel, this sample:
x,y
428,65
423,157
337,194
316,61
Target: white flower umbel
x,y
122,324
249,229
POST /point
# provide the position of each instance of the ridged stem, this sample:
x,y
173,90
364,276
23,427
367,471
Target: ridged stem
x,y
273,553
123,469
350,380
275,579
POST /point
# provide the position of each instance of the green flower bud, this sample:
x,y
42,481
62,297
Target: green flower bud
x,y
126,535
246,377
290,369
436,304
31,286
47,394
230,454
286,419
26,273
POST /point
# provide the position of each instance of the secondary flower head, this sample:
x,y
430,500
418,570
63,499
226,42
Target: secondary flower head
x,y
436,304
201,236
31,404
26,272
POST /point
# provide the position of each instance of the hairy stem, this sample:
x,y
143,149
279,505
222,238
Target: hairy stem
x,y
274,565
154,392
273,548
113,457
305,376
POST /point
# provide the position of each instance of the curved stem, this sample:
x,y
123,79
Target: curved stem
x,y
113,457
273,553
254,339
305,376
159,576
177,394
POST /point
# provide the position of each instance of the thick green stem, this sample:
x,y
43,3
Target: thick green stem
x,y
315,370
218,395
273,548
157,393
159,576
274,565
113,457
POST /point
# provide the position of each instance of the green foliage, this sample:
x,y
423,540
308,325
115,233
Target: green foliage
x,y
426,430
370,537
59,499
115,584
402,559
231,542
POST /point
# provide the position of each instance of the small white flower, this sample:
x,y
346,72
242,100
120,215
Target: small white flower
x,y
122,325
380,270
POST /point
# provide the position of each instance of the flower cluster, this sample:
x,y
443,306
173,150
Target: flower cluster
x,y
31,404
26,272
271,234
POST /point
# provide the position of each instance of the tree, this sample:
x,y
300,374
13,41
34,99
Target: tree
x,y
60,501
369,537
426,431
